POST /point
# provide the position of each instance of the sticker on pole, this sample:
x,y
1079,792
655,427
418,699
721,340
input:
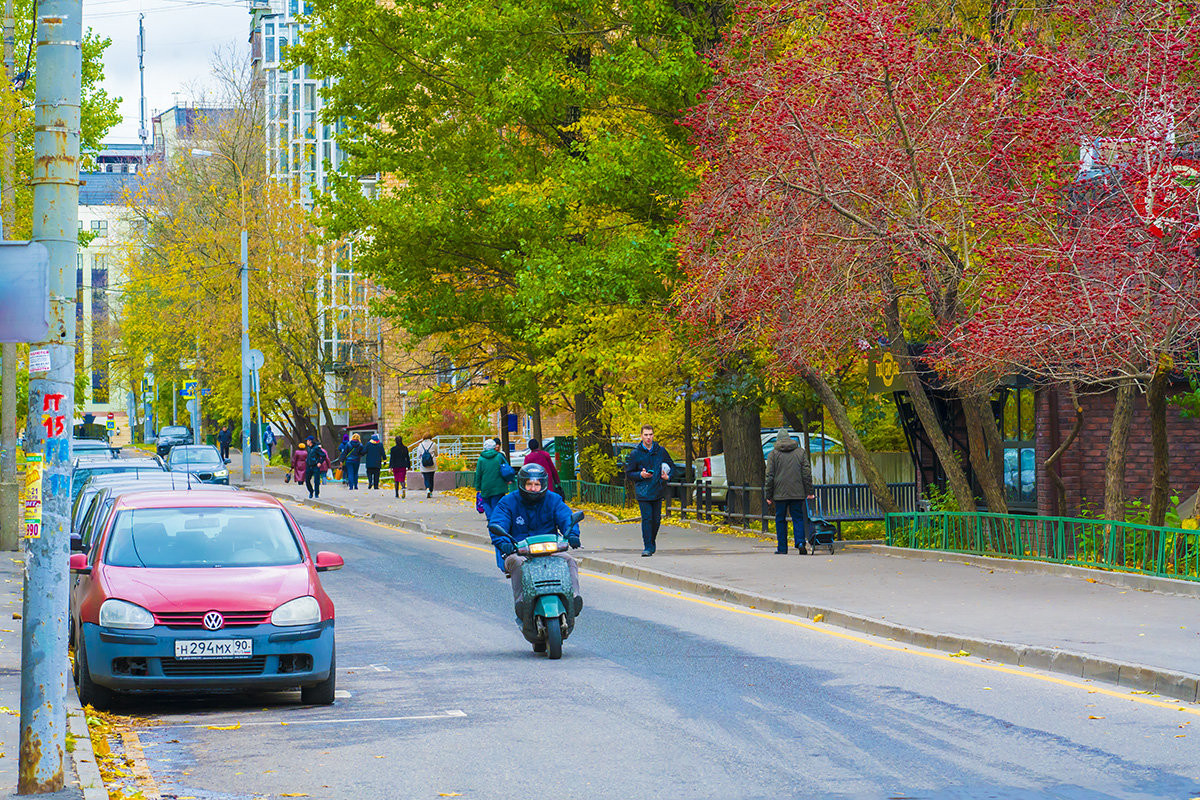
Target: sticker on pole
x,y
39,361
33,496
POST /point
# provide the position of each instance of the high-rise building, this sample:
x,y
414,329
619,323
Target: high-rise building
x,y
302,152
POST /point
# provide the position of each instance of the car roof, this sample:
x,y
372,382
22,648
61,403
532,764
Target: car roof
x,y
158,498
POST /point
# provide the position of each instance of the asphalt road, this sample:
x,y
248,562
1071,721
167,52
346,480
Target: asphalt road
x,y
658,695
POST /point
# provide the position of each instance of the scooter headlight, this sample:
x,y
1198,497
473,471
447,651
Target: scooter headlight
x,y
543,547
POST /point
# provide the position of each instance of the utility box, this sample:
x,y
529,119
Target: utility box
x,y
564,457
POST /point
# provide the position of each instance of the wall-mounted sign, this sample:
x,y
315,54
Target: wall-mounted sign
x,y
883,373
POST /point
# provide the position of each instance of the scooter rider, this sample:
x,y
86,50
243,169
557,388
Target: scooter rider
x,y
529,511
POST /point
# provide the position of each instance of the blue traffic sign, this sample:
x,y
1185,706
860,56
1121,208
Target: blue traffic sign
x,y
188,390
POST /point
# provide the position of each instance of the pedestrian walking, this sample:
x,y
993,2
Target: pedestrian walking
x,y
400,463
354,453
314,466
649,466
343,448
539,456
268,441
788,487
490,484
299,464
427,453
225,439
372,459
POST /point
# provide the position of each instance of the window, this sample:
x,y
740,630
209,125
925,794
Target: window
x,y
1018,430
100,228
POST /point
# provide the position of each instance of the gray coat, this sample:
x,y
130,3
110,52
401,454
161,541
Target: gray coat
x,y
789,473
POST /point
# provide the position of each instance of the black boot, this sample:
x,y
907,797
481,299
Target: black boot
x,y
578,605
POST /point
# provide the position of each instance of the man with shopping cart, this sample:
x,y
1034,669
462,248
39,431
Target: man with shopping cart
x,y
788,488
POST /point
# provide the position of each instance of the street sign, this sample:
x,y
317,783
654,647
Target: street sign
x,y
256,359
190,405
188,390
25,301
205,392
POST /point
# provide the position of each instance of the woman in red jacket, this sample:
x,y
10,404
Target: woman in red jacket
x,y
539,456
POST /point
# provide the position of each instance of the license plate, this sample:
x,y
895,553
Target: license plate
x,y
212,648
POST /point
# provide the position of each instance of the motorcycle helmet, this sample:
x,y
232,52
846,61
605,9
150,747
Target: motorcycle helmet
x,y
533,472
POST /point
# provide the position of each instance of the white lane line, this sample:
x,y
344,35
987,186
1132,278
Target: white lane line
x,y
376,667
450,714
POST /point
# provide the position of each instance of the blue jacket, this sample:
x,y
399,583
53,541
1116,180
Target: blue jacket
x,y
654,487
521,520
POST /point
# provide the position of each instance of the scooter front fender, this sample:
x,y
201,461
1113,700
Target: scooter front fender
x,y
549,606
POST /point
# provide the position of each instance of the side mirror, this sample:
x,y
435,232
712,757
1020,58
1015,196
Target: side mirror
x,y
496,530
577,518
76,543
327,561
79,564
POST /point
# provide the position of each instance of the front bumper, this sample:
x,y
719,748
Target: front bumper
x,y
280,658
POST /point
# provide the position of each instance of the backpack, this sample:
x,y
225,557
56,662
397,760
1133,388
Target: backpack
x,y
426,458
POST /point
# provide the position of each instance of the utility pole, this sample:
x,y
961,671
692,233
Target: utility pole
x,y
9,496
51,398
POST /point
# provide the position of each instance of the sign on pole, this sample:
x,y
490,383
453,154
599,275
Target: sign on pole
x,y
25,301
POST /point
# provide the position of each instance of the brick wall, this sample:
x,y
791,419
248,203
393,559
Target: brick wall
x,y
1082,466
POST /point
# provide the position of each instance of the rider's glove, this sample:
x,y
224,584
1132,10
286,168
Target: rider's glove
x,y
506,548
573,540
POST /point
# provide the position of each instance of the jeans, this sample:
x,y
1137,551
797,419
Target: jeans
x,y
651,511
312,482
799,512
489,505
351,474
428,478
373,477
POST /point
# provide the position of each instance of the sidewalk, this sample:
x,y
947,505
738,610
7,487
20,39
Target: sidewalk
x,y
1138,632
79,766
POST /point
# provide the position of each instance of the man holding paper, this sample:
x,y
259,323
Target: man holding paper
x,y
649,466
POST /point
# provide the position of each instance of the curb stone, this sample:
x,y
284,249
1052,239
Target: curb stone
x,y
87,769
1168,683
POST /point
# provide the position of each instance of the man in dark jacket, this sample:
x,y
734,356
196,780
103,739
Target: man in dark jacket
x,y
649,466
315,466
372,460
225,439
789,486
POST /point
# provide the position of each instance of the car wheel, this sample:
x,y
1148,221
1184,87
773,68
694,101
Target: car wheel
x,y
321,694
90,694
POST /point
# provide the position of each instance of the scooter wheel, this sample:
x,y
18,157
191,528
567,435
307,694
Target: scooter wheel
x,y
554,638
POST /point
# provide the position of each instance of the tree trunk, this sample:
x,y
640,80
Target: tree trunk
x,y
854,446
924,408
744,463
1160,489
537,414
1118,443
1052,461
504,440
977,411
589,431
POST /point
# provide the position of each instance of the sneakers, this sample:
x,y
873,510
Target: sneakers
x,y
429,492
646,554
578,605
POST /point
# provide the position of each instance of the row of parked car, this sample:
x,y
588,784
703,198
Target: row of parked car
x,y
180,584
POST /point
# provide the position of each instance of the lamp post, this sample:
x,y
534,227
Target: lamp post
x,y
245,275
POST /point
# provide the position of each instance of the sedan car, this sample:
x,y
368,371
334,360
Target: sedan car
x,y
93,447
169,436
209,590
202,460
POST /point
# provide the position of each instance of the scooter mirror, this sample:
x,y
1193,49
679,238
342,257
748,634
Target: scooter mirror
x,y
496,530
577,518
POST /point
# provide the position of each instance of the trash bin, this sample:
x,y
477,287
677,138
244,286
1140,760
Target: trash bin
x,y
564,457
211,438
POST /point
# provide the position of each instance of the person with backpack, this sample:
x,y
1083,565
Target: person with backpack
x,y
427,454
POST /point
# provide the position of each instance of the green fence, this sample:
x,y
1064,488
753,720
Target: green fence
x,y
1128,547
585,492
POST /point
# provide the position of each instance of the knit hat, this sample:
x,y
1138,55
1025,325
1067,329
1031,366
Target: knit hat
x,y
489,444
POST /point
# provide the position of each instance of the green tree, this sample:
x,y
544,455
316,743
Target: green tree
x,y
532,170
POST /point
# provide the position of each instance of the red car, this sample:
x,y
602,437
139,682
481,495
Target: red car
x,y
201,590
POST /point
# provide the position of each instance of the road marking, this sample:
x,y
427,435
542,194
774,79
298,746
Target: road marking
x,y
1025,672
450,714
376,667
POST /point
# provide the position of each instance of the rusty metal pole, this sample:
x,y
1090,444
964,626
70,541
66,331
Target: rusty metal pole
x,y
9,496
51,398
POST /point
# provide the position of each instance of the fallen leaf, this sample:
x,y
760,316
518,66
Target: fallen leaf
x,y
449,794
293,794
1181,736
232,727
16,615
959,654
818,617
1140,691
987,688
1090,580
1092,716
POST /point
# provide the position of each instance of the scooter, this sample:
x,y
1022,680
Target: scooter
x,y
547,611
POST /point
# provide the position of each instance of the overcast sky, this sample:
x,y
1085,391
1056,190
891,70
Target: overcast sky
x,y
181,38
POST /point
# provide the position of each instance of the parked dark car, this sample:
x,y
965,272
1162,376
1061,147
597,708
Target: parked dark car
x,y
171,435
202,460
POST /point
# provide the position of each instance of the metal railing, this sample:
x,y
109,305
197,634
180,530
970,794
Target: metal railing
x,y
587,492
468,447
1123,546
746,506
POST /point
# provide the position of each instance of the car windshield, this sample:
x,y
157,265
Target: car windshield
x,y
201,537
196,457
173,430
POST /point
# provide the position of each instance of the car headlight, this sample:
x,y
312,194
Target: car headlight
x,y
301,611
122,614
221,473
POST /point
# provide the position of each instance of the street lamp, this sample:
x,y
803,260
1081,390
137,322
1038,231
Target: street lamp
x,y
245,275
